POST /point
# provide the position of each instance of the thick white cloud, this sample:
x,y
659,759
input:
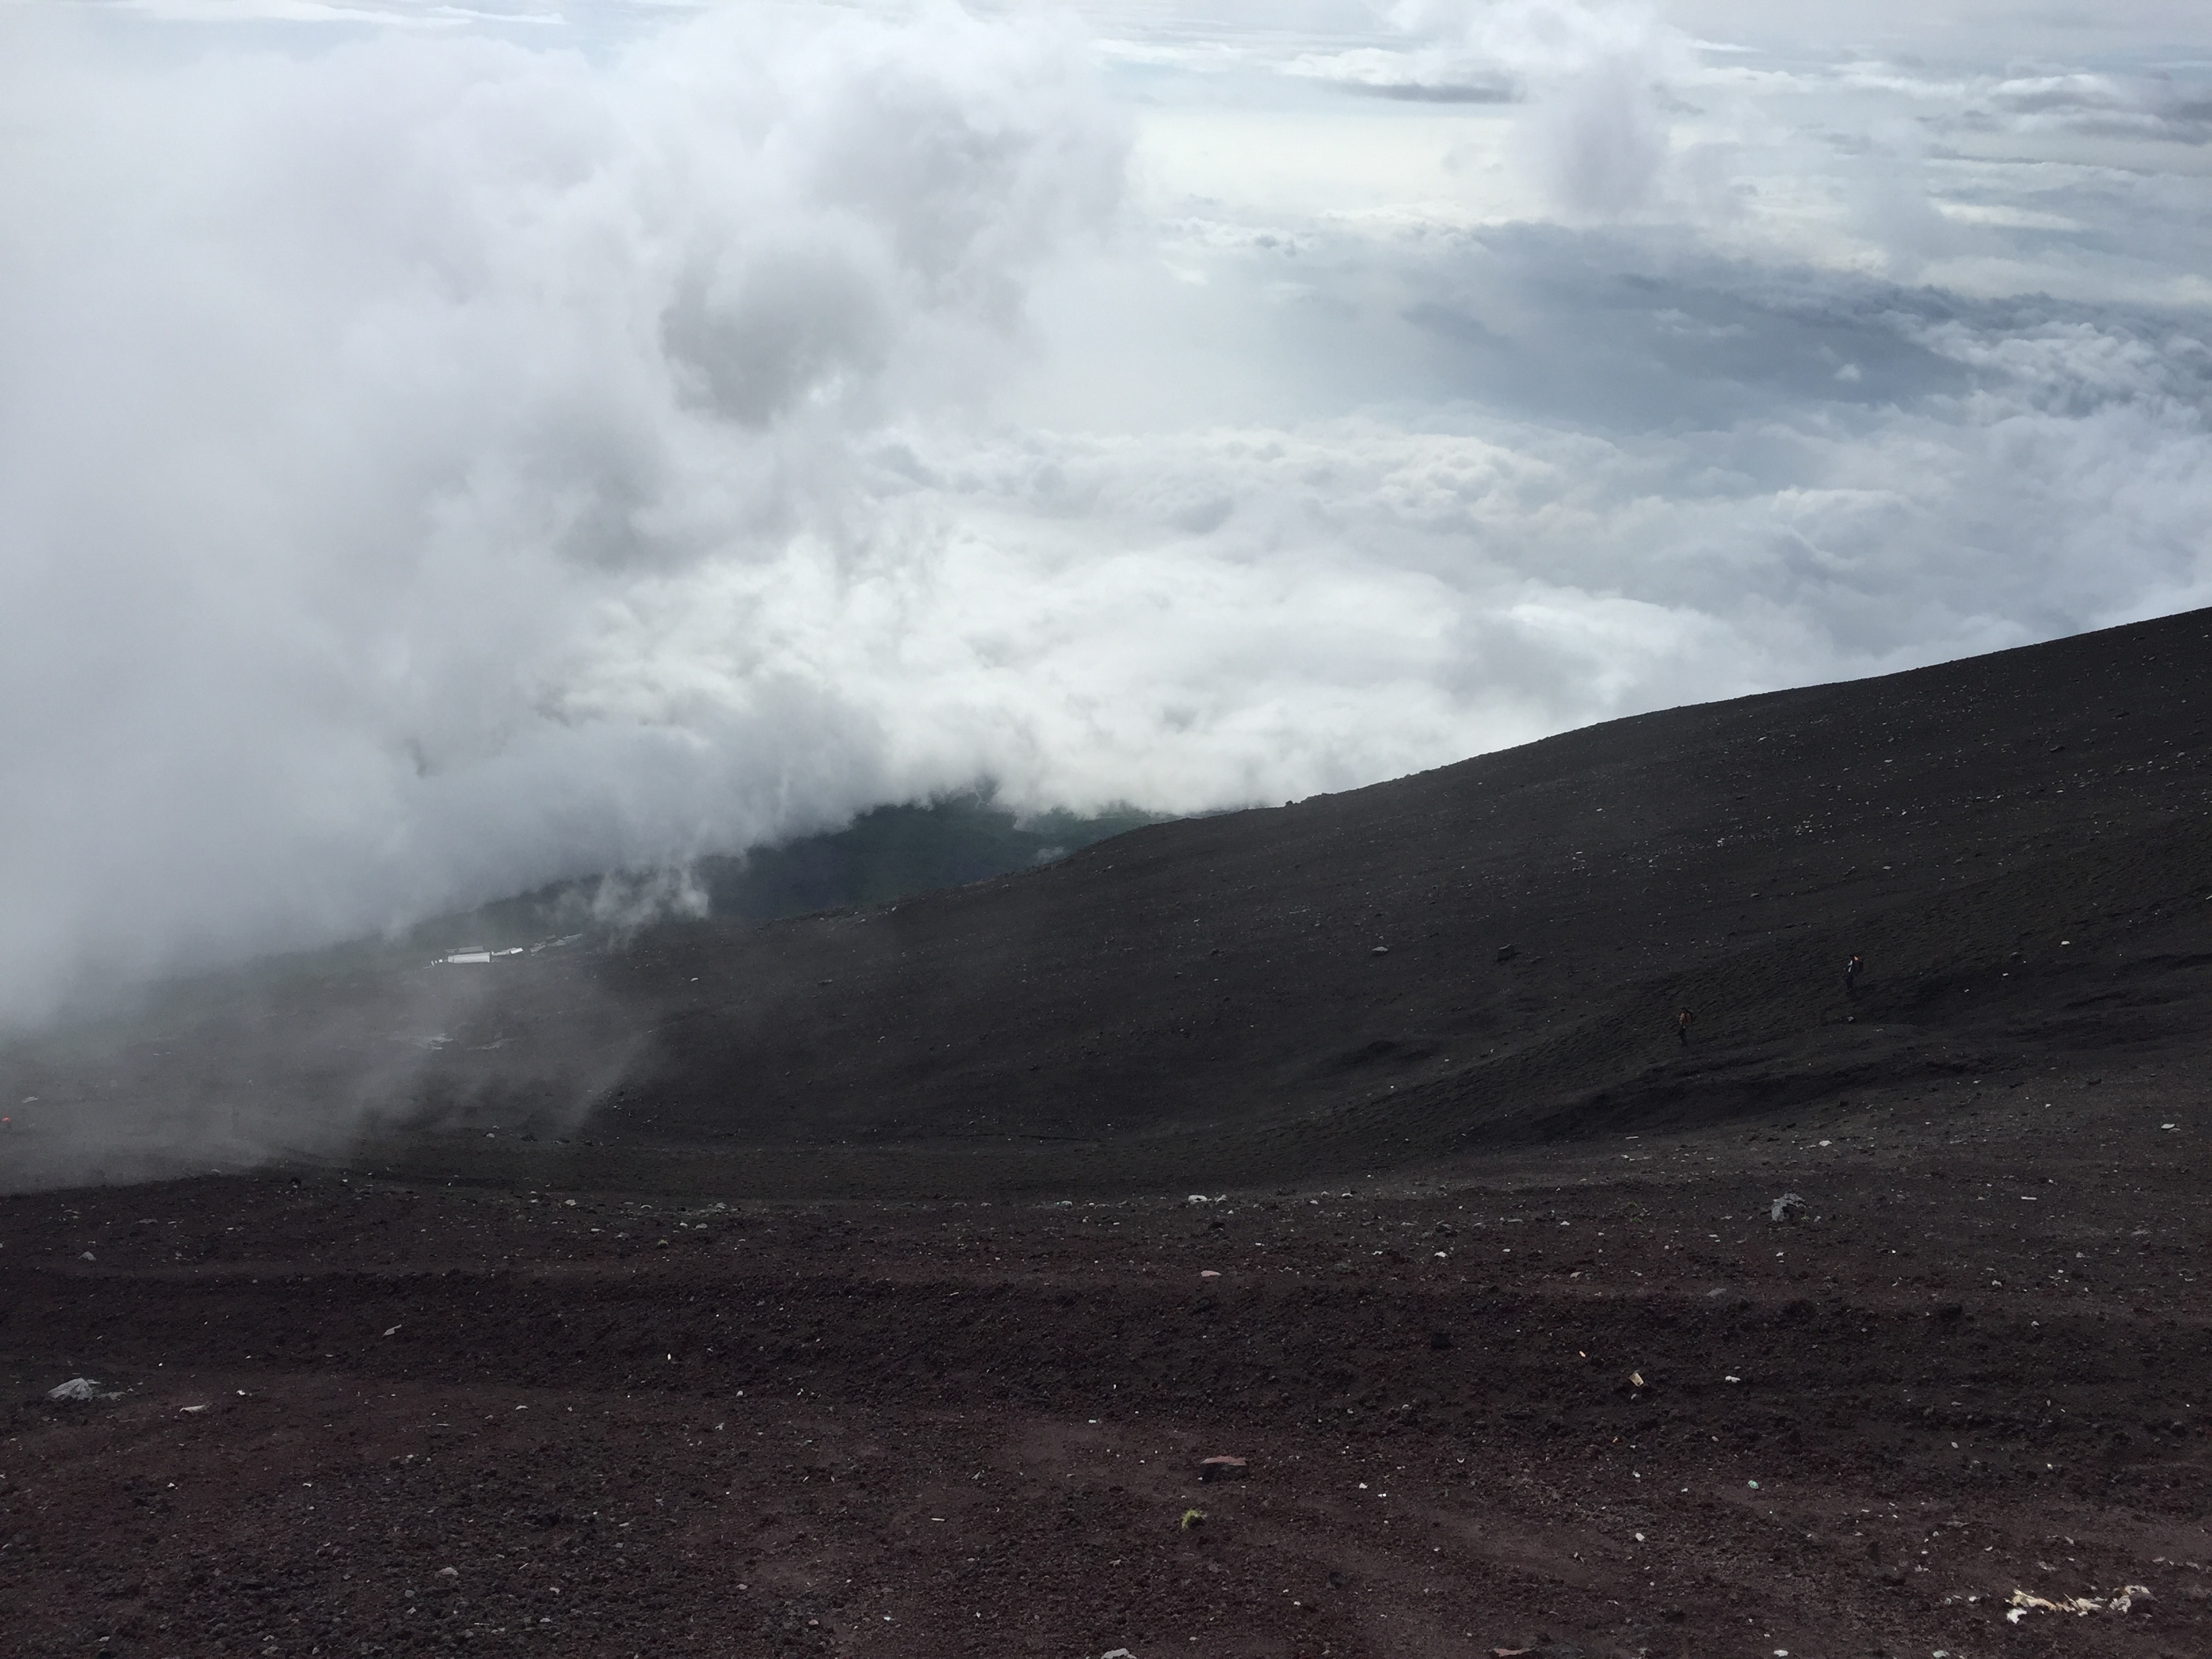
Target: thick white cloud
x,y
434,460
372,413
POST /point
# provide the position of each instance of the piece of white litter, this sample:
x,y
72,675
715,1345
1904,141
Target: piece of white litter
x,y
2119,1601
192,1408
1731,1379
394,1331
78,1388
470,955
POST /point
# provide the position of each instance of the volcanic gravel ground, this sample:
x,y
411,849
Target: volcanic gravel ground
x,y
353,1417
832,1287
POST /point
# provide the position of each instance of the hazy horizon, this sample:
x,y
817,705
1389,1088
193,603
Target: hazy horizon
x,y
452,449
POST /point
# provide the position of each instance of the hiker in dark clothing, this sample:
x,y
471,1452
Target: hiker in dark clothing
x,y
1682,1026
1851,975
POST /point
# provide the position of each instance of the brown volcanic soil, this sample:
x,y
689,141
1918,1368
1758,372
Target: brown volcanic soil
x,y
1977,1366
927,1358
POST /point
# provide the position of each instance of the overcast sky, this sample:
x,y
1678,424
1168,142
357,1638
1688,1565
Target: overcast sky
x,y
446,448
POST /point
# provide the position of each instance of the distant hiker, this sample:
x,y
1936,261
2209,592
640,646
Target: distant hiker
x,y
1682,1026
1851,975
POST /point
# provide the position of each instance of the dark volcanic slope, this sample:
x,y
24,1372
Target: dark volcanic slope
x,y
1562,1384
2014,842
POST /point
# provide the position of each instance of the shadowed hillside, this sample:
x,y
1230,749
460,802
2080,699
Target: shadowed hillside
x,y
1495,951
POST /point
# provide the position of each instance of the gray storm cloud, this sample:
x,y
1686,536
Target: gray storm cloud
x,y
436,462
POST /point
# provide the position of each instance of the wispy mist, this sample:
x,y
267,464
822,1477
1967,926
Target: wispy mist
x,y
437,460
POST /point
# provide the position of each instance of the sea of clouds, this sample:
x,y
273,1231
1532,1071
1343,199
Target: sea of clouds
x,y
444,450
